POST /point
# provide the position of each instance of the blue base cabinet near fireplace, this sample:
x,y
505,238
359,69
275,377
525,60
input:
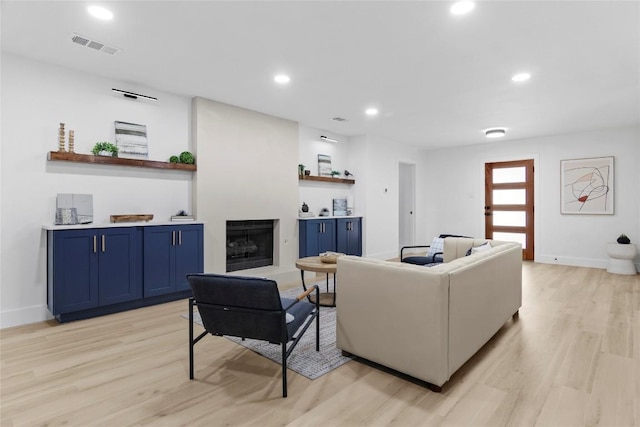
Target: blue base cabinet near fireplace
x,y
331,234
171,252
97,271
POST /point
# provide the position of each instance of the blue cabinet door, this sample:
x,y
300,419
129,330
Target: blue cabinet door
x,y
188,254
327,237
158,259
73,271
316,236
120,252
170,253
349,236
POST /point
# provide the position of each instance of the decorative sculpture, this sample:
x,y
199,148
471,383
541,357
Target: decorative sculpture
x,y
71,141
61,138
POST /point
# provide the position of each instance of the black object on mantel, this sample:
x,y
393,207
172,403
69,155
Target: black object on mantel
x,y
324,212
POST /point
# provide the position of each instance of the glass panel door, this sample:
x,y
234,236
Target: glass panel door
x,y
509,203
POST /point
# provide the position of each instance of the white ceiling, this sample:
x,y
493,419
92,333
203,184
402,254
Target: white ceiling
x,y
438,79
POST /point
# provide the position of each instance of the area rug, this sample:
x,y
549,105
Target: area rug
x,y
304,359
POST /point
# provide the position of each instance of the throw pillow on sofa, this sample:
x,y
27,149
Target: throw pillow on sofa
x,y
481,248
437,247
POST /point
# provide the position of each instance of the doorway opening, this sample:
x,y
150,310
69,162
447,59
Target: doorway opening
x,y
406,204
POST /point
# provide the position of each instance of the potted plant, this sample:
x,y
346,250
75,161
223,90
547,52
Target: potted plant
x,y
301,169
335,174
623,239
104,148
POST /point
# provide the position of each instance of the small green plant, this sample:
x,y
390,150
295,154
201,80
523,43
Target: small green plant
x,y
187,158
335,173
105,146
301,168
174,159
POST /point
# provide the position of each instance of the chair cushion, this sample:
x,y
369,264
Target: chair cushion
x,y
422,260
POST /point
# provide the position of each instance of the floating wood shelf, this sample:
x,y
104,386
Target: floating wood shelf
x,y
326,179
106,160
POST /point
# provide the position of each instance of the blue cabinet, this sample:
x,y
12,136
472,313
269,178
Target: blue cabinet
x,y
93,267
349,236
96,271
171,252
316,236
336,235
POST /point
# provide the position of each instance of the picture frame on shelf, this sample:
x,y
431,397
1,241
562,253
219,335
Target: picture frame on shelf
x,y
324,165
339,207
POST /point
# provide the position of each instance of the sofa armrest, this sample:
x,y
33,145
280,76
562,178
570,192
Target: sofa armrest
x,y
485,290
394,314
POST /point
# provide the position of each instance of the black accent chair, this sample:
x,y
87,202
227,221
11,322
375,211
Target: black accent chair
x,y
434,258
250,307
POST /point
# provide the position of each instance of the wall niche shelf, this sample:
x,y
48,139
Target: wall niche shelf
x,y
326,179
105,160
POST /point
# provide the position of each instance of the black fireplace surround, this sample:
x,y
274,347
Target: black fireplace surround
x,y
249,244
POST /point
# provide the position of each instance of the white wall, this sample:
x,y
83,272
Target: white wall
x,y
456,193
36,97
251,173
376,161
318,195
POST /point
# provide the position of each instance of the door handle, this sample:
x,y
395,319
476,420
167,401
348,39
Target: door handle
x,y
104,245
180,237
173,238
95,243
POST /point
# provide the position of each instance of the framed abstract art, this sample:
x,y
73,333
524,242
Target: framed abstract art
x,y
587,186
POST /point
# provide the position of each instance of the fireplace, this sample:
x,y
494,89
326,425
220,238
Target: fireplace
x,y
249,244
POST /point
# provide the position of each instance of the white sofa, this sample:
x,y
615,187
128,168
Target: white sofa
x,y
427,321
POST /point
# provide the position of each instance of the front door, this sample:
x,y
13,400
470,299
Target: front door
x,y
508,206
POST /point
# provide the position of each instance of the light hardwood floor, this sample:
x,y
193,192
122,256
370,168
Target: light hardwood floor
x,y
571,359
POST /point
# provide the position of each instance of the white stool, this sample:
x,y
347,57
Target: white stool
x,y
621,258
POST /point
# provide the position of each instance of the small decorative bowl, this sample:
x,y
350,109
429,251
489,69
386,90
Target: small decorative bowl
x,y
330,257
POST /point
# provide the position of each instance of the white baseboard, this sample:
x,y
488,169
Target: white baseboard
x,y
572,261
383,255
24,316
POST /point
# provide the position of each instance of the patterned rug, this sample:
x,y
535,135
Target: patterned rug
x,y
304,359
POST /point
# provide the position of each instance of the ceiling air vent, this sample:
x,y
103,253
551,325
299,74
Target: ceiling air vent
x,y
339,119
94,44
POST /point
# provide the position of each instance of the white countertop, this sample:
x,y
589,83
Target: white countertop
x,y
116,224
329,217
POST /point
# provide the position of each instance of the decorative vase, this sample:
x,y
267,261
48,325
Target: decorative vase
x,y
623,240
107,153
307,172
305,207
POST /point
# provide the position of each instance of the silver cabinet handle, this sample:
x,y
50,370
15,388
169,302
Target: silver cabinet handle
x,y
173,238
104,246
95,243
180,237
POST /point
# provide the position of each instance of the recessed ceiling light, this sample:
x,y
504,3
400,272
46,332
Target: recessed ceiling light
x,y
371,111
462,7
495,132
521,77
100,13
281,79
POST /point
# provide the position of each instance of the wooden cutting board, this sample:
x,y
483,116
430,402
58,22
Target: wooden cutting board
x,y
131,218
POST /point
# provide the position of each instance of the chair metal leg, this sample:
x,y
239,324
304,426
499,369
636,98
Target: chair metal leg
x,y
190,338
318,320
284,370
